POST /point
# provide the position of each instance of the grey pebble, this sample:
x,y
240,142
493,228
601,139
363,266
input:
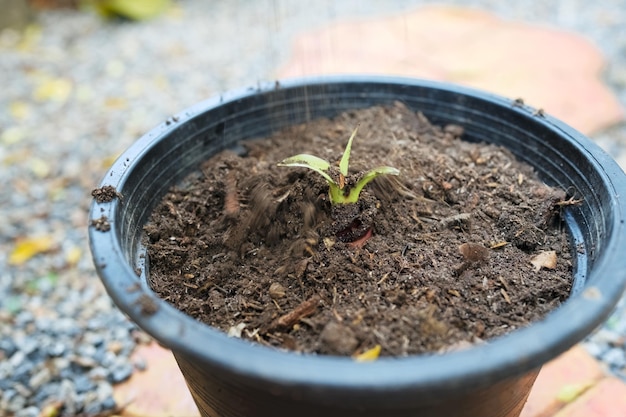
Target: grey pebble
x,y
94,339
108,403
46,392
120,372
83,384
605,336
140,364
56,349
615,357
16,403
98,373
17,359
28,345
8,347
43,376
595,349
104,391
66,326
6,397
67,394
31,411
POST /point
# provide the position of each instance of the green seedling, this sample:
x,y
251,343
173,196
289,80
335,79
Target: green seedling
x,y
339,191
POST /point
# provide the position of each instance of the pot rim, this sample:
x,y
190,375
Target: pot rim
x,y
514,354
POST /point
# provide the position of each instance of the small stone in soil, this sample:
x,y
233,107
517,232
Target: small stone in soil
x,y
339,338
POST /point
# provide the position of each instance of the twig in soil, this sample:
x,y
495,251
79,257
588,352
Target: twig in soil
x,y
305,309
505,295
231,200
283,197
458,219
570,202
498,245
383,279
253,305
504,284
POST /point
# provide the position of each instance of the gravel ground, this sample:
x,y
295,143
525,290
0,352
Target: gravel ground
x,y
76,91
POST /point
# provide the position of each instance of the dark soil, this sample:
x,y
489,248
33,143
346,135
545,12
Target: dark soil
x,y
465,245
105,194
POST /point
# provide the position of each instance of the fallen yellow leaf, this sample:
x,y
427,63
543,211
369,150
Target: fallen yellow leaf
x,y
568,393
84,93
369,355
19,110
52,409
12,135
27,248
73,255
30,37
115,68
53,89
109,160
39,167
115,103
132,9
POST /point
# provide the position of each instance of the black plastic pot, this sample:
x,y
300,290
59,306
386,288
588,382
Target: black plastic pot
x,y
229,377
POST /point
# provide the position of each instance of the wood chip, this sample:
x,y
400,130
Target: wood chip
x,y
546,259
231,199
505,295
305,309
498,245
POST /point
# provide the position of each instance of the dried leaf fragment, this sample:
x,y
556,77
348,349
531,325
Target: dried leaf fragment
x,y
545,259
27,248
570,392
51,410
304,309
235,331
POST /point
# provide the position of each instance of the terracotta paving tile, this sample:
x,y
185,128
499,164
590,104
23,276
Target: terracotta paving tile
x,y
560,381
159,391
549,68
605,399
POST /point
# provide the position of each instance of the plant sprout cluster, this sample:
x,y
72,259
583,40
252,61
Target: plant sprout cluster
x,y
338,192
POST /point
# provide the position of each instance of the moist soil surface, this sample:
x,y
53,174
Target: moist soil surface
x,y
466,244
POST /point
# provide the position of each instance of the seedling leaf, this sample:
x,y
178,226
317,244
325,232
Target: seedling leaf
x,y
343,164
309,161
353,196
337,191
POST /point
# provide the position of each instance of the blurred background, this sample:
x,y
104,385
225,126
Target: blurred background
x,y
81,80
